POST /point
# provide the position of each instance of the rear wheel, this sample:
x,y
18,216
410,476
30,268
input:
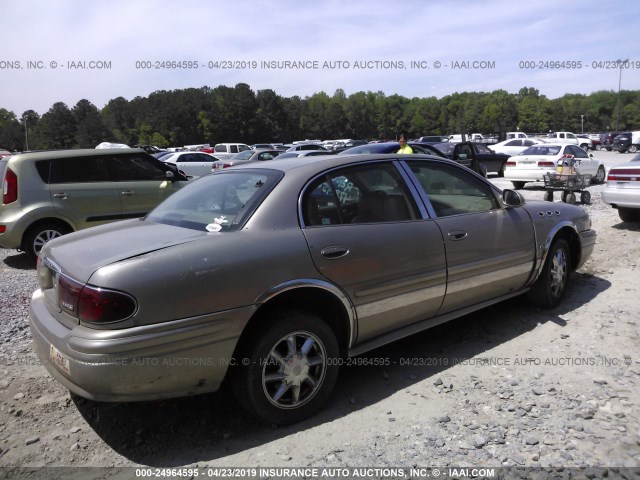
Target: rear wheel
x,y
585,147
518,185
629,214
288,370
601,175
552,283
633,149
585,197
41,233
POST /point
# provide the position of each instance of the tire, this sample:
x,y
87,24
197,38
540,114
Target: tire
x,y
585,147
601,175
629,214
633,149
585,198
598,147
279,385
548,196
550,287
563,196
502,168
570,198
518,185
39,234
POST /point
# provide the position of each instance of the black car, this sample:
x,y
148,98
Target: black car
x,y
608,138
622,142
480,153
425,148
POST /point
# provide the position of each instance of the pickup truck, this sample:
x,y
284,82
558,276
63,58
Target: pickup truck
x,y
512,135
570,138
479,157
224,151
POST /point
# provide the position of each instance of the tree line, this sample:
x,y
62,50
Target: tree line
x,y
238,114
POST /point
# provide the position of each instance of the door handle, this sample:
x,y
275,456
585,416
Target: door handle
x,y
128,193
61,195
332,253
457,234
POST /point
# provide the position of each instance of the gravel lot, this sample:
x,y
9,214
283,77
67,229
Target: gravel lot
x,y
508,386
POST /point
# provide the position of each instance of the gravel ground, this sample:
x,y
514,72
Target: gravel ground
x,y
508,386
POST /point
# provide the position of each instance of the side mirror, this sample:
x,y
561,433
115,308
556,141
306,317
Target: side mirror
x,y
170,176
462,156
511,198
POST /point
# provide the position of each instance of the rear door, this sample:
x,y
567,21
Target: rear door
x,y
82,190
141,183
490,249
367,235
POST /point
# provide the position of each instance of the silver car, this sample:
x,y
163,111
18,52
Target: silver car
x,y
270,275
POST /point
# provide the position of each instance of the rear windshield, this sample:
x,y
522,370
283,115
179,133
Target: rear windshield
x,y
216,203
542,150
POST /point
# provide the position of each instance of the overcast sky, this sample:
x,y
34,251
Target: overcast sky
x,y
45,43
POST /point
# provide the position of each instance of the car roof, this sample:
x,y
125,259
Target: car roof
x,y
313,164
80,152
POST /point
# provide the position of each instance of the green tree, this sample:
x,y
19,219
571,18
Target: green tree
x,y
57,128
90,129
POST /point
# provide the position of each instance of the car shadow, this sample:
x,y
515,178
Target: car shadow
x,y
210,427
20,261
628,226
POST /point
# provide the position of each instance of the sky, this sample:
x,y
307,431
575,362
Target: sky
x,y
67,50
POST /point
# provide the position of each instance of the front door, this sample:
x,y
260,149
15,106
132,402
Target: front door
x,y
366,235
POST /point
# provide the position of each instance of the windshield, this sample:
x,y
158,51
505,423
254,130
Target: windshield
x,y
218,202
542,150
246,155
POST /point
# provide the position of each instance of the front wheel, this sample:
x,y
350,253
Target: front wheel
x,y
633,149
288,370
550,287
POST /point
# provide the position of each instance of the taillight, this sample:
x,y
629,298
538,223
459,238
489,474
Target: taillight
x,y
510,164
94,304
546,164
10,188
624,175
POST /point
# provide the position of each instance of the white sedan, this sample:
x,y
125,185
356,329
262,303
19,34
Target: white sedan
x,y
539,160
623,190
515,146
193,164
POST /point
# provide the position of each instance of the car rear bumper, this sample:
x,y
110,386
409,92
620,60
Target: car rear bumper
x,y
172,359
622,197
526,174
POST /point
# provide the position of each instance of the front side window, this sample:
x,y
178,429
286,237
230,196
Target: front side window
x,y
363,194
217,202
453,191
136,167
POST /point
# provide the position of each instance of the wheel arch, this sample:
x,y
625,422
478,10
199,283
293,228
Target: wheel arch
x,y
65,225
568,232
319,297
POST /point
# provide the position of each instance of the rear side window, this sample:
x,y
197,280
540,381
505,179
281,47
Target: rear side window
x,y
79,170
42,167
136,167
